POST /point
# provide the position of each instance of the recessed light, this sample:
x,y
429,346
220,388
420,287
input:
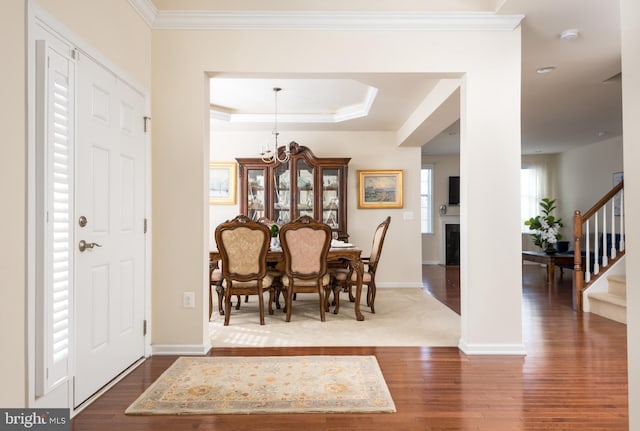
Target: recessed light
x,y
571,34
601,133
545,69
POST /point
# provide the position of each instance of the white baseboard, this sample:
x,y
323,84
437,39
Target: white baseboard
x,y
431,262
180,349
492,349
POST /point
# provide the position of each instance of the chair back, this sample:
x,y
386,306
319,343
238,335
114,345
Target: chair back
x,y
378,240
305,243
243,245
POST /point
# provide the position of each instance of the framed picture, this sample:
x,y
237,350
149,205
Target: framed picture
x,y
617,178
222,183
380,189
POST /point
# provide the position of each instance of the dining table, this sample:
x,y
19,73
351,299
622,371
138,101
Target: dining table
x,y
344,252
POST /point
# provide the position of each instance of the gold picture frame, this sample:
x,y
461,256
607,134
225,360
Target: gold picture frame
x,y
380,189
222,183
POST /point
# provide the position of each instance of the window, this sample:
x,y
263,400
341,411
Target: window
x,y
426,199
54,290
533,187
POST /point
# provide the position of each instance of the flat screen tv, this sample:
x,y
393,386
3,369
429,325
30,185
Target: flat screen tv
x,y
454,190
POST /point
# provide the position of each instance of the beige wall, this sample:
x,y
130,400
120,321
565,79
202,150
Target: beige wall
x,y
585,175
13,217
443,167
112,28
630,10
395,269
181,60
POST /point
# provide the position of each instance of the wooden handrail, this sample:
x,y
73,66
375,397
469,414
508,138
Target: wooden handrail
x,y
578,221
604,200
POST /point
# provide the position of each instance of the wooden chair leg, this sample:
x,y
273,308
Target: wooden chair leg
x,y
352,298
220,292
371,296
321,295
336,298
271,301
227,306
289,303
261,307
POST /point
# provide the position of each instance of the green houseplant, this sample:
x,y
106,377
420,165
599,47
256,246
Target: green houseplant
x,y
545,228
274,236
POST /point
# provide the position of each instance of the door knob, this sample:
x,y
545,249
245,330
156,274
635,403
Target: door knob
x,y
83,245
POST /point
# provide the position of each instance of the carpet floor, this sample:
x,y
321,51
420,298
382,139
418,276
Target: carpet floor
x,y
403,317
272,384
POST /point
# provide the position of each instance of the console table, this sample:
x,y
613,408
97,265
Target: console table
x,y
551,260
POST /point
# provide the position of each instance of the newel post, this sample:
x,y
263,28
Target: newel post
x,y
578,273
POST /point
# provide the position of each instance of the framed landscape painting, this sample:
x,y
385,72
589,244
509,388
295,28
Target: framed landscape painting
x,y
222,183
380,189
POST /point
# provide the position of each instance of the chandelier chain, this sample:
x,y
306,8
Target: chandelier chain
x,y
270,155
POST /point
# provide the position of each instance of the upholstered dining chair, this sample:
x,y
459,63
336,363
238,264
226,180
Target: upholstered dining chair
x,y
347,278
215,281
305,244
243,245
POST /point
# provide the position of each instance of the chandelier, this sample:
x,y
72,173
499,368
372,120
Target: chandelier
x,y
269,152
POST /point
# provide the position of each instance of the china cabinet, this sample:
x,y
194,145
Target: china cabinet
x,y
303,185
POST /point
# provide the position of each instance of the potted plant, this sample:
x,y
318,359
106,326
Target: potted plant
x,y
545,228
275,242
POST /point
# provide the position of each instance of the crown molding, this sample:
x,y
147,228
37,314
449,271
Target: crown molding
x,y
316,20
146,9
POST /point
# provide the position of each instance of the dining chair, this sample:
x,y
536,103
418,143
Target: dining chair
x,y
243,245
215,282
347,278
305,244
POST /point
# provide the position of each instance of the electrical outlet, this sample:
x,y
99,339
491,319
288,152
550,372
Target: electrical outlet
x,y
189,300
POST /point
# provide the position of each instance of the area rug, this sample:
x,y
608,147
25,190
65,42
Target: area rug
x,y
403,317
272,384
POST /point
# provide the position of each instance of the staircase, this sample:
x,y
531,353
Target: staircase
x,y
611,304
599,236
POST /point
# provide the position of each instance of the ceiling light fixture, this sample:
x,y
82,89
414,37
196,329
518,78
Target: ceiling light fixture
x,y
571,34
269,154
545,69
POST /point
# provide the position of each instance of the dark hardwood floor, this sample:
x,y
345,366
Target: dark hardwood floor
x,y
573,378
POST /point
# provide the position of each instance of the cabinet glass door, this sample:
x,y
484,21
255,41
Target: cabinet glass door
x,y
331,197
255,193
282,194
304,176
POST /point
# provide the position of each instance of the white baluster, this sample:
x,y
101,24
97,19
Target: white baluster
x,y
596,246
622,220
587,265
613,229
605,252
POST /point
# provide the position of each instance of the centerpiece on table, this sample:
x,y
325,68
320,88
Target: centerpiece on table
x,y
275,241
545,227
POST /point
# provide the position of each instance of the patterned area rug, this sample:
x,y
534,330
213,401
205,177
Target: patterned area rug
x,y
273,384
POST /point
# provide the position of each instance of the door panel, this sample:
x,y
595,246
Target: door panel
x,y
110,193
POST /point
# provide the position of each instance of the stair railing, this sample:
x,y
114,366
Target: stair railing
x,y
603,240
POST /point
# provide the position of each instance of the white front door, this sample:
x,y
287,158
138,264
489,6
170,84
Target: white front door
x,y
110,203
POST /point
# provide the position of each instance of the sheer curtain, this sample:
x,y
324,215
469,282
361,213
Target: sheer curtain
x,y
536,182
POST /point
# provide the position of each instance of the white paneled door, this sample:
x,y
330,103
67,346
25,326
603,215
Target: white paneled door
x,y
109,228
